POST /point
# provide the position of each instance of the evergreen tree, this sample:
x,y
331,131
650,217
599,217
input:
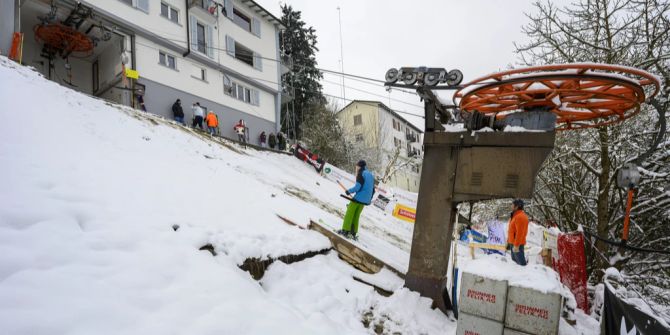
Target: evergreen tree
x,y
299,43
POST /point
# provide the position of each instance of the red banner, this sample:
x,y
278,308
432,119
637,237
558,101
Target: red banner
x,y
571,266
309,158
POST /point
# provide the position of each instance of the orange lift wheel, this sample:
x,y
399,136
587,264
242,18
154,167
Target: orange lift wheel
x,y
581,95
59,38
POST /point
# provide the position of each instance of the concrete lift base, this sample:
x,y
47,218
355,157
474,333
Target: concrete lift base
x,y
458,167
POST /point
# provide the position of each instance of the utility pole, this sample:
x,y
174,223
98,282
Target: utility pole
x,y
339,18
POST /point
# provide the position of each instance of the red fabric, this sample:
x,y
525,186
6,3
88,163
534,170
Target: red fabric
x,y
571,267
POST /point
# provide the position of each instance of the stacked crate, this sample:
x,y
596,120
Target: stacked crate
x,y
492,307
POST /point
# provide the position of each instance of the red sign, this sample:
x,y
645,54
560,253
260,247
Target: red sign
x,y
571,266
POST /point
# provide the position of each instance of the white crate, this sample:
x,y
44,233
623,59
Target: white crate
x,y
474,325
532,311
483,297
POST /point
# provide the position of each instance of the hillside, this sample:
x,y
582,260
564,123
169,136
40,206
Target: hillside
x,y
104,209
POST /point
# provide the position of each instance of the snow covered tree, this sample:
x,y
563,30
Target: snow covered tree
x,y
323,135
577,185
298,42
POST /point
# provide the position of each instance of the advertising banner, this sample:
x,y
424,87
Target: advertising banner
x,y
572,266
309,158
404,213
621,317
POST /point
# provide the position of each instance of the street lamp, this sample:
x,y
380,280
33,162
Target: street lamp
x,y
628,177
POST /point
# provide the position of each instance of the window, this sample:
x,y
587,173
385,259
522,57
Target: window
x,y
359,137
246,22
243,53
241,92
397,142
200,38
169,13
139,4
199,73
167,60
358,120
241,20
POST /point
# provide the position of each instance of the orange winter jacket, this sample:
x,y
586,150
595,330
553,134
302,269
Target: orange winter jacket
x,y
211,120
518,228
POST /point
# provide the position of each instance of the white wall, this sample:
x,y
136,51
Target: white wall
x,y
265,46
182,79
151,21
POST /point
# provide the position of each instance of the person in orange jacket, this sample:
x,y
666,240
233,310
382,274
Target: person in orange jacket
x,y
212,122
517,231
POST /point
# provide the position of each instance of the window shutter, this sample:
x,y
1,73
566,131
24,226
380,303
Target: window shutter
x,y
255,97
194,32
228,4
210,43
258,62
230,46
256,26
143,5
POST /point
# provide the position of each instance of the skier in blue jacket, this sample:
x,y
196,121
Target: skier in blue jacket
x,y
363,192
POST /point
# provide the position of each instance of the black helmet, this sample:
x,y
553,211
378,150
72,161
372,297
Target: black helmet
x,y
518,203
361,163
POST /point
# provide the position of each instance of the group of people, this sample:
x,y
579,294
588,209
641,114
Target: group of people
x,y
209,119
274,141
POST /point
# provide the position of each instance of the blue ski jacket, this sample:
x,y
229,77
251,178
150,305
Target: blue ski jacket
x,y
364,188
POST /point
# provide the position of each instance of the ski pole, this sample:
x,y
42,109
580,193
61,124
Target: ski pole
x,y
342,186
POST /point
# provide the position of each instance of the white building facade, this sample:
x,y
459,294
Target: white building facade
x,y
379,133
223,54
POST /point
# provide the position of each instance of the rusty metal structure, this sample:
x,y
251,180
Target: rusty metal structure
x,y
465,162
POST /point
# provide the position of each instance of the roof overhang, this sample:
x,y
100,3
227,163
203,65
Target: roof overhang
x,y
264,13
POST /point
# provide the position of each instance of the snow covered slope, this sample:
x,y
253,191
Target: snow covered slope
x,y
89,196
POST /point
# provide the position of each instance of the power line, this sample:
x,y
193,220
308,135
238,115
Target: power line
x,y
371,93
303,90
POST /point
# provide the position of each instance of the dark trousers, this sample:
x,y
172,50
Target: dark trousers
x,y
242,138
197,121
519,257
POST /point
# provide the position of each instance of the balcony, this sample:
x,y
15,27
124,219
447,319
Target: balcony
x,y
411,137
207,6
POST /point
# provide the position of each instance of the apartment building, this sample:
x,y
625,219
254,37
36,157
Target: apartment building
x,y
378,133
223,54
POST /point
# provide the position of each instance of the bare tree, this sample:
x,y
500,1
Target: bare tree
x,y
577,184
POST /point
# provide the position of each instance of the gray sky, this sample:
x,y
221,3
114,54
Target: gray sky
x,y
475,36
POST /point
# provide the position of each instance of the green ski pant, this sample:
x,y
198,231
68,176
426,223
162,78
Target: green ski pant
x,y
354,211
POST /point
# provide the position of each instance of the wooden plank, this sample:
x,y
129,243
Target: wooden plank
x,y
351,253
488,246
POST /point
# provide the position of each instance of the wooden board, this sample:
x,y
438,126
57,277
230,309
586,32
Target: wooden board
x,y
351,253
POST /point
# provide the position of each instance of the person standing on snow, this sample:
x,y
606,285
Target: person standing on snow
x,y
212,122
263,139
363,190
240,129
281,141
517,231
178,112
198,115
272,140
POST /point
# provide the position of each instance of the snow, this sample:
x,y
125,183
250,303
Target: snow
x,y
91,193
519,129
534,276
454,127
